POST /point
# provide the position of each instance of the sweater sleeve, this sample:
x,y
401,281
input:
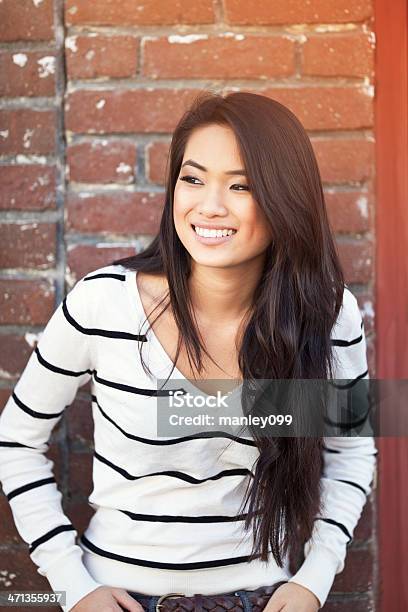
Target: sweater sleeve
x,y
348,467
59,365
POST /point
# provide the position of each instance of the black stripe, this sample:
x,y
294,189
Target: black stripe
x,y
34,413
50,534
120,277
200,436
347,425
340,342
28,487
137,390
14,445
332,450
165,518
339,525
57,369
353,484
351,383
161,564
173,473
91,331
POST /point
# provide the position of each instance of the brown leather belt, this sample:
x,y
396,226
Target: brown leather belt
x,y
238,601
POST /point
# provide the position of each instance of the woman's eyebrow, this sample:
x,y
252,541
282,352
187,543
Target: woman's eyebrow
x,y
191,162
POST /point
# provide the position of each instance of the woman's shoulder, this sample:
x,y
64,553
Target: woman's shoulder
x,y
99,286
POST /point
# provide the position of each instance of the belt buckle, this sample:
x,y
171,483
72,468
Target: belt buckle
x,y
159,603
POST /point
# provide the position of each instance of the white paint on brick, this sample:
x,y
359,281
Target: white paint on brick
x,y
46,66
28,226
123,168
187,38
27,138
367,309
100,104
71,43
90,54
31,339
37,2
362,204
4,134
368,88
232,35
334,27
25,159
44,180
20,59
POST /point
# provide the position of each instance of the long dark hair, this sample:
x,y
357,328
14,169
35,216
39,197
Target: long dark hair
x,y
295,305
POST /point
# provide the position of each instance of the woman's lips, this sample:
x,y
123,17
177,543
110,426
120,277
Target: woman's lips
x,y
210,241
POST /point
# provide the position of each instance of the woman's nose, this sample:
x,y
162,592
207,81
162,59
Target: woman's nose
x,y
212,204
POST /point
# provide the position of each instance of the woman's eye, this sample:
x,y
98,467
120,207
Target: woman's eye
x,y
188,179
185,178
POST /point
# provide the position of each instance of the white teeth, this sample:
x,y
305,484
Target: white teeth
x,y
207,233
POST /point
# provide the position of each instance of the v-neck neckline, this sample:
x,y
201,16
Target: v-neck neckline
x,y
133,289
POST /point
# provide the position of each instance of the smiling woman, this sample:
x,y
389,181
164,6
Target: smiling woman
x,y
247,273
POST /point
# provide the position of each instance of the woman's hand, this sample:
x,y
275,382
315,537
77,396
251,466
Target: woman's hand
x,y
107,599
292,597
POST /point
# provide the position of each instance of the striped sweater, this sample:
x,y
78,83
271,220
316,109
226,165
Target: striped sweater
x,y
167,509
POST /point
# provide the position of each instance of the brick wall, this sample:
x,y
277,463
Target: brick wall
x,y
90,93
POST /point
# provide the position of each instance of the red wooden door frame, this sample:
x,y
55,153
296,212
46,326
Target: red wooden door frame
x,y
391,130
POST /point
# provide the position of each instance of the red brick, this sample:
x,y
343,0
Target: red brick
x,y
350,54
55,454
126,12
253,13
28,187
83,258
102,161
79,513
327,108
28,245
364,529
27,73
26,302
17,568
80,423
345,160
217,57
357,574
14,355
371,357
349,605
349,211
156,158
115,213
8,532
80,475
94,56
124,111
366,301
22,20
28,131
4,396
357,260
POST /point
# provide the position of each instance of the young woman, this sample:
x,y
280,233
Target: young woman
x,y
248,284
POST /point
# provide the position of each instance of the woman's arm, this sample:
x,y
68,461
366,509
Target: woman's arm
x,y
58,366
349,465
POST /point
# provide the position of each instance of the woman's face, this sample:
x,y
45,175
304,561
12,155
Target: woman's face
x,y
212,197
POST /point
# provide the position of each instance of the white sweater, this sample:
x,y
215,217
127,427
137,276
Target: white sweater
x,y
166,515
